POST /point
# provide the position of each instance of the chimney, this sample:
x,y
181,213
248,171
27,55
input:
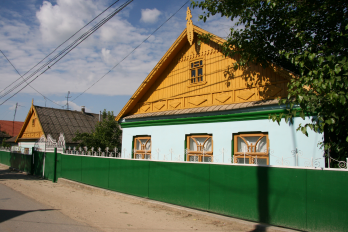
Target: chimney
x,y
83,109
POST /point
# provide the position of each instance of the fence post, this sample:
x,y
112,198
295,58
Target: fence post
x,y
32,166
55,166
43,165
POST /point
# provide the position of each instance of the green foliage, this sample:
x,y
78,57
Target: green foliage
x,y
4,144
107,133
309,38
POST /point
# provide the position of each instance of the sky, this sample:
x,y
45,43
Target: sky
x,y
32,29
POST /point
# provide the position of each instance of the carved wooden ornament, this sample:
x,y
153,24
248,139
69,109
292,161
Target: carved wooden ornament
x,y
175,104
189,26
159,105
197,101
273,90
145,108
245,95
222,98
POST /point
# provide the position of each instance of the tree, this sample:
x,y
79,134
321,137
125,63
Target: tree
x,y
4,144
307,37
107,133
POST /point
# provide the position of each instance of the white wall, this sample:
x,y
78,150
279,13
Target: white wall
x,y
283,139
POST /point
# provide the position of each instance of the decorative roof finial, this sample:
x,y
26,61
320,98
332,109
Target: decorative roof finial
x,y
189,28
32,101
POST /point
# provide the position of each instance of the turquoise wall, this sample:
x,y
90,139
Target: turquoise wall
x,y
283,139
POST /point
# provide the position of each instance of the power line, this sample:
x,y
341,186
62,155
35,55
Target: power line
x,y
68,49
27,82
62,44
131,51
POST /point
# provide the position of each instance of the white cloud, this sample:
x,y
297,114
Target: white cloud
x,y
150,16
58,22
25,44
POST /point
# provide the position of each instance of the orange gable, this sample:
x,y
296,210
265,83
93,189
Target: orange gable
x,y
174,83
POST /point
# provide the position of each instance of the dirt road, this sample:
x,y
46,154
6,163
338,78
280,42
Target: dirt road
x,y
110,211
21,213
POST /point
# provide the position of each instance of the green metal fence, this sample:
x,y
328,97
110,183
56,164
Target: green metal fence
x,y
304,199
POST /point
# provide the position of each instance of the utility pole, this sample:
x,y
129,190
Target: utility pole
x,y
14,117
67,101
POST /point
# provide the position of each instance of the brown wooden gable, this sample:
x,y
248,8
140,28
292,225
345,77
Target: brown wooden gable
x,y
168,87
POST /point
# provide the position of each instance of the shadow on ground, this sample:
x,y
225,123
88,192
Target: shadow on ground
x,y
9,214
7,173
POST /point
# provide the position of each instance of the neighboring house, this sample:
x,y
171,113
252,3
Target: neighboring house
x,y
44,121
12,141
193,106
9,129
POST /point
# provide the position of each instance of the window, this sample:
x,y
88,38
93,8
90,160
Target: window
x,y
251,148
199,148
33,122
142,147
196,71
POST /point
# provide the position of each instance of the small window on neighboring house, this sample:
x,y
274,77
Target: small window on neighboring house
x,y
196,71
142,147
33,122
251,148
199,148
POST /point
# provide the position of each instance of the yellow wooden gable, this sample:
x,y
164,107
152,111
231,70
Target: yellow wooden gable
x,y
170,85
31,128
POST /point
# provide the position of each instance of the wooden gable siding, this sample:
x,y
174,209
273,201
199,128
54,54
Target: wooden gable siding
x,y
31,131
172,89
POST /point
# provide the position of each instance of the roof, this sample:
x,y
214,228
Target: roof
x,y
10,127
55,121
165,61
219,108
11,140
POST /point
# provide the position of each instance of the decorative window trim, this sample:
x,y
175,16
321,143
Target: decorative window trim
x,y
250,155
199,155
142,153
204,80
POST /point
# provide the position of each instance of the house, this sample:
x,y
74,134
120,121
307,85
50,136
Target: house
x,y
43,122
193,106
9,129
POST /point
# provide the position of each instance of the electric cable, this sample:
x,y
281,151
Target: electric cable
x,y
131,52
68,49
62,44
25,81
85,35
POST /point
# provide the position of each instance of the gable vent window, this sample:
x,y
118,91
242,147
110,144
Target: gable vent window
x,y
196,71
33,122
